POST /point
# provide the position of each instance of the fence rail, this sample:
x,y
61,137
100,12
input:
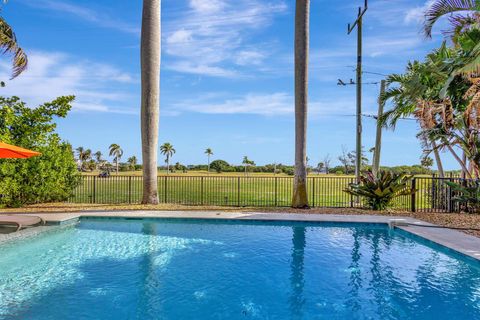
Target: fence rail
x,y
433,194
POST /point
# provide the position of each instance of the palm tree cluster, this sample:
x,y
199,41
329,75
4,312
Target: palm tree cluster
x,y
443,92
95,161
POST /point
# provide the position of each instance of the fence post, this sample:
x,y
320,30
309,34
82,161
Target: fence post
x,y
276,196
352,180
413,197
313,192
94,189
165,189
238,191
450,196
129,189
201,191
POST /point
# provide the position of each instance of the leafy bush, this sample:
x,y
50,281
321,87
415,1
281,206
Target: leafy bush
x,y
219,166
46,178
467,194
380,191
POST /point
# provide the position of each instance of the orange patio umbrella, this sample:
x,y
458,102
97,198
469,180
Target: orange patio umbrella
x,y
7,151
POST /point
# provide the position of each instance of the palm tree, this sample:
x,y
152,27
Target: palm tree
x,y
132,161
150,66
209,153
302,17
441,8
167,150
84,155
9,44
246,162
116,152
98,156
410,92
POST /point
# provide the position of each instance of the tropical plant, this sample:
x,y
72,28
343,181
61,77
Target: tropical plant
x,y
302,30
469,16
51,177
380,191
9,44
246,163
98,156
168,151
132,162
467,194
150,52
116,152
84,156
209,153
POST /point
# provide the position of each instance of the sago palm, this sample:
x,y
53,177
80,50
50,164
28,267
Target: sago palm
x,y
168,151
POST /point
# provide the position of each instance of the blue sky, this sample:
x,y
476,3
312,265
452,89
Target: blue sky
x,y
227,74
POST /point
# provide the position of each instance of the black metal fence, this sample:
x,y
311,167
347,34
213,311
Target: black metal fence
x,y
433,194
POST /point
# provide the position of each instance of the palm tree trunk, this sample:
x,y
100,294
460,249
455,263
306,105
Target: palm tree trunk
x,y
117,165
150,65
302,13
208,170
464,159
462,164
438,160
168,164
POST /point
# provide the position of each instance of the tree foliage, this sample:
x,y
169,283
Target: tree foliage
x,y
47,178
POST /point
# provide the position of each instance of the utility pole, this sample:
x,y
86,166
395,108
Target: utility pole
x,y
358,24
378,138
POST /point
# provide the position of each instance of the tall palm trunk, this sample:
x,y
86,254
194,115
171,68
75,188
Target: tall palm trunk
x,y
302,14
168,164
208,170
150,64
438,160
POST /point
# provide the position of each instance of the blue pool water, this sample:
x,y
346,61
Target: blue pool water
x,y
193,269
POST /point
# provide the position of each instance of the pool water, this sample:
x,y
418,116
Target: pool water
x,y
197,269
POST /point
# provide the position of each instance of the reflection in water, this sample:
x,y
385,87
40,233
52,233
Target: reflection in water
x,y
149,306
297,280
355,273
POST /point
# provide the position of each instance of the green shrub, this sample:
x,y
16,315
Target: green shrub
x,y
47,178
467,194
380,191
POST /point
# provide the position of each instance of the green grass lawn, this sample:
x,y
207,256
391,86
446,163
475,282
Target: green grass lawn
x,y
228,190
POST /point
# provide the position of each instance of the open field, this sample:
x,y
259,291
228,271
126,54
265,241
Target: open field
x,y
239,191
196,173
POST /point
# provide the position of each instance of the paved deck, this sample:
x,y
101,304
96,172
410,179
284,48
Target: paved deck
x,y
452,239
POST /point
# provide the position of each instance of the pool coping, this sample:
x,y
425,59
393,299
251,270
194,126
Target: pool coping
x,y
452,239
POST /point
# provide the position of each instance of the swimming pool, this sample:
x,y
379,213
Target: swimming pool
x,y
212,269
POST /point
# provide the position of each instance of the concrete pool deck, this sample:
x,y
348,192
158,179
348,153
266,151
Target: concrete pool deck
x,y
455,240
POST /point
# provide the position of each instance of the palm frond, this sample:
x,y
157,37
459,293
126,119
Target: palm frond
x,y
441,8
9,44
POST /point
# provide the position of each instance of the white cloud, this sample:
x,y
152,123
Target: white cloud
x,y
207,6
250,57
417,14
265,104
212,36
50,75
99,18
